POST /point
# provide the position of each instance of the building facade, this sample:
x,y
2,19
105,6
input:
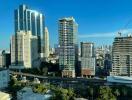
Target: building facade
x,y
5,96
5,59
46,43
26,19
4,78
68,49
107,64
27,47
87,59
122,56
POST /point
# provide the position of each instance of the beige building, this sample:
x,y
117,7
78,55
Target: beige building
x,y
122,56
87,59
27,54
46,43
4,96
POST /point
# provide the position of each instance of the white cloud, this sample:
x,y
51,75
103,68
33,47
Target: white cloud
x,y
103,35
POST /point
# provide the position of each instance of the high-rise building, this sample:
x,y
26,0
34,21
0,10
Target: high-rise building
x,y
27,50
107,64
30,20
87,59
46,43
122,56
68,48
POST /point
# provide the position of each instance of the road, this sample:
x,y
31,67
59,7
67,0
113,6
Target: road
x,y
59,78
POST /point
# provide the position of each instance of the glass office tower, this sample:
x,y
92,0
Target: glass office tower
x,y
68,46
30,20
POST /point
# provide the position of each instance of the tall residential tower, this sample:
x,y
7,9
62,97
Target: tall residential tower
x,y
27,50
68,51
87,59
46,43
30,20
122,56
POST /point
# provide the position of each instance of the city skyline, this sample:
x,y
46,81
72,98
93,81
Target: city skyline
x,y
98,22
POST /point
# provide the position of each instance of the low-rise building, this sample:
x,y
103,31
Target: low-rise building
x,y
4,78
5,58
4,96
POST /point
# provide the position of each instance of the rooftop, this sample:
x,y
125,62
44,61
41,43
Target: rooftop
x,y
1,69
4,96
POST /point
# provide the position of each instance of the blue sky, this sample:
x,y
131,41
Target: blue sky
x,y
99,20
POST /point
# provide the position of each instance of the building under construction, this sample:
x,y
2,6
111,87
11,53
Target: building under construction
x,y
122,56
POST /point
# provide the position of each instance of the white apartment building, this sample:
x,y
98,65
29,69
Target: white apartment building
x,y
27,50
46,45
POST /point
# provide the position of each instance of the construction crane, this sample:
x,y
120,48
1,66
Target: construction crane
x,y
125,26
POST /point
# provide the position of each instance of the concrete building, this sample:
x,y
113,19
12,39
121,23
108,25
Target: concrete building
x,y
27,94
27,46
26,19
5,96
68,50
122,56
4,78
107,64
46,43
5,59
57,49
87,59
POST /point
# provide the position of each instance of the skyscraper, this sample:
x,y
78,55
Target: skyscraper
x,y
46,43
30,20
122,56
68,49
87,59
27,50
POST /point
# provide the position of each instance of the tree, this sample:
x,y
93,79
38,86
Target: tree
x,y
40,88
62,94
90,91
124,91
117,92
105,93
